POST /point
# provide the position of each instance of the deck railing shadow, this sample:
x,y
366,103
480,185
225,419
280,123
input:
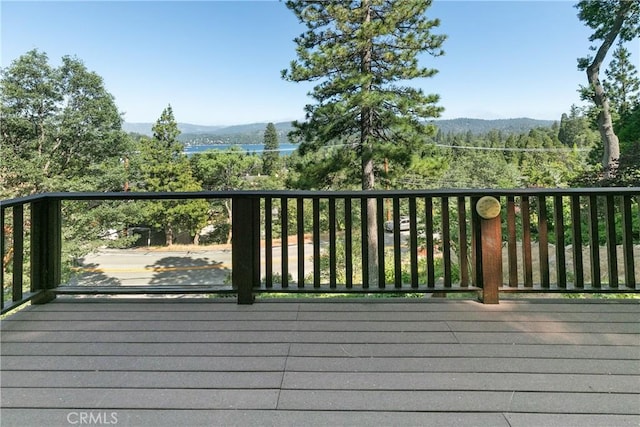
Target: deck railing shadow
x,y
488,242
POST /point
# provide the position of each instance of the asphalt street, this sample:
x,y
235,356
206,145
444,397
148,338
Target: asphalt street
x,y
140,266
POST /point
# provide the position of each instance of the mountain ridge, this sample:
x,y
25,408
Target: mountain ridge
x,y
252,133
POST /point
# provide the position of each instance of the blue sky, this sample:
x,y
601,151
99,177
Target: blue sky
x,y
219,62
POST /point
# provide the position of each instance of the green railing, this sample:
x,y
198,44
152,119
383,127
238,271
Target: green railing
x,y
534,240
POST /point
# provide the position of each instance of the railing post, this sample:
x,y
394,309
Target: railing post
x,y
2,255
18,252
46,248
245,247
489,258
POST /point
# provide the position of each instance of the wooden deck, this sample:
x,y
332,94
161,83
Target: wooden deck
x,y
186,362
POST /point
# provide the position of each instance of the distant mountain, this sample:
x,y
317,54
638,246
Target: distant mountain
x,y
478,126
145,128
240,134
257,128
141,128
253,133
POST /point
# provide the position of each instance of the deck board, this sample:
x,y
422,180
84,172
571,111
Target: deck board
x,y
538,351
172,418
463,381
464,364
167,362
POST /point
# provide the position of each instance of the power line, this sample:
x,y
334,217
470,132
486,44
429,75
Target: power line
x,y
277,150
471,147
457,147
257,150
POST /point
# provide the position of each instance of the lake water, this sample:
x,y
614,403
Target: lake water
x,y
284,150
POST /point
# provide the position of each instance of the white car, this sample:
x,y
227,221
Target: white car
x,y
405,224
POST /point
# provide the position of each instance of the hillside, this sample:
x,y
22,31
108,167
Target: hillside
x,y
187,128
253,133
478,126
145,128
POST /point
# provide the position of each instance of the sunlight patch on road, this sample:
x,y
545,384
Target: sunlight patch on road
x,y
142,269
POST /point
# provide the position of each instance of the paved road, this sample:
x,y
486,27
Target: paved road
x,y
140,266
122,267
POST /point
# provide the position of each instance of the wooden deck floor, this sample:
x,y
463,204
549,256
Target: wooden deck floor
x,y
172,362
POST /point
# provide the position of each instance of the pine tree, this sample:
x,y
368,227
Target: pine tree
x,y
609,19
166,132
359,51
164,168
270,155
622,84
575,130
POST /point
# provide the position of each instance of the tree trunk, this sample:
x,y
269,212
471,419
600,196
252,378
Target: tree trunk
x,y
610,141
168,234
366,145
368,181
227,205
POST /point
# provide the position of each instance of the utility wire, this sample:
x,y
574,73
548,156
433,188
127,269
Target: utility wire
x,y
471,147
457,147
270,150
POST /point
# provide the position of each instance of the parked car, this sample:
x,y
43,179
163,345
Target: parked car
x,y
405,224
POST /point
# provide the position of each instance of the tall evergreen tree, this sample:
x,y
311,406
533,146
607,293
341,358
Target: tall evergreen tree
x,y
609,19
270,155
622,84
163,167
166,132
359,51
630,148
575,130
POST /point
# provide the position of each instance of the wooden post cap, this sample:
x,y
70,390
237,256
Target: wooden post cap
x,y
488,207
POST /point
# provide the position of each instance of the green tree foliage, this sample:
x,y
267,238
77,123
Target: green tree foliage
x,y
270,155
629,128
481,170
324,169
622,84
60,128
609,19
223,170
536,158
629,131
164,167
427,168
575,130
360,52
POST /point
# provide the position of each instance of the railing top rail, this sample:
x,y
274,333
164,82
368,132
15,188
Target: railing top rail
x,y
22,200
322,194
